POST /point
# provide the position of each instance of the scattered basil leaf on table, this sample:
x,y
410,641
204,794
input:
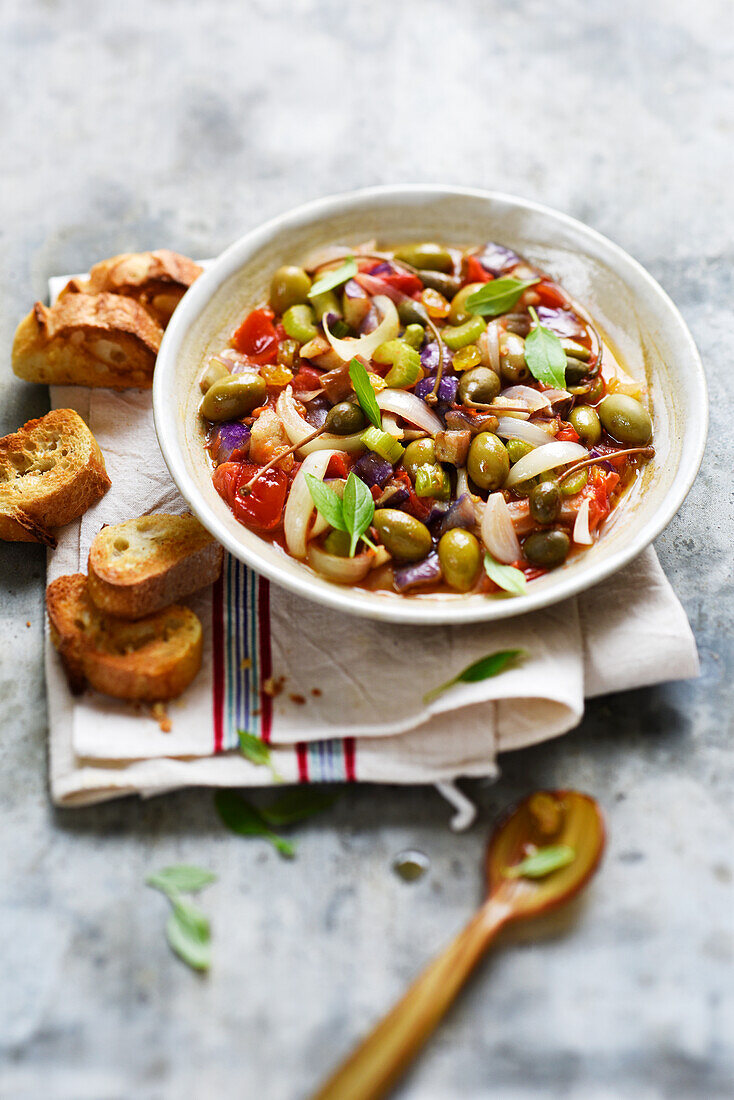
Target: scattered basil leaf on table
x,y
542,862
182,878
189,934
327,501
257,752
497,296
545,356
482,669
334,278
506,576
297,804
242,818
365,393
358,508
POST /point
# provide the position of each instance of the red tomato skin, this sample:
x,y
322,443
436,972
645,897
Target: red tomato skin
x,y
262,507
474,272
404,281
338,465
256,337
549,295
306,379
567,433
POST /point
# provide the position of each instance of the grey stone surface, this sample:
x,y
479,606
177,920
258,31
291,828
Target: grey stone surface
x,y
143,124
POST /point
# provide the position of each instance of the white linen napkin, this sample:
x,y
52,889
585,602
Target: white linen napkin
x,y
338,698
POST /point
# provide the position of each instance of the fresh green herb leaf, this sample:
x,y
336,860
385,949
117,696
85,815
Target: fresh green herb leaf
x,y
482,669
183,878
365,393
257,752
296,804
242,818
497,296
334,278
189,934
545,356
327,502
358,508
542,862
506,576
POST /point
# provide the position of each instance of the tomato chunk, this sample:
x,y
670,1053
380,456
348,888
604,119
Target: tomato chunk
x,y
306,379
474,272
256,337
404,281
262,507
550,295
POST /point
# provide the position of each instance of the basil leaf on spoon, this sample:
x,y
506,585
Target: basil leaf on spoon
x,y
542,862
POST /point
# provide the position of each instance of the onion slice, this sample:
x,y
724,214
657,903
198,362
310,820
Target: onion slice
x,y
545,458
387,329
341,570
534,399
489,347
508,427
498,533
552,396
300,506
581,533
406,404
297,429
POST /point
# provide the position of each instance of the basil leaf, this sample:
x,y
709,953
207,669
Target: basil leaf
x,y
296,804
358,508
183,878
545,356
189,934
327,502
242,818
506,576
482,669
257,752
542,862
497,296
365,393
334,278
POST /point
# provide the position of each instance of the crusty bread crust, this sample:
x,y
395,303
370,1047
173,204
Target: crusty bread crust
x,y
144,564
151,660
157,280
88,340
51,472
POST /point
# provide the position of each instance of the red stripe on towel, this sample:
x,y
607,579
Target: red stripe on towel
x,y
349,759
218,661
266,659
302,757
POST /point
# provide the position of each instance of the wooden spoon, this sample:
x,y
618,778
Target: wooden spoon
x,y
544,819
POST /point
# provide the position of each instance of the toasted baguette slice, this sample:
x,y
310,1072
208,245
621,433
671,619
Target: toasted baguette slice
x,y
157,280
51,471
139,566
88,340
150,660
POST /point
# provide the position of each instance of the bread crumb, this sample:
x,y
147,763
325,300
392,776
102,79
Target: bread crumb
x,y
299,699
159,713
316,692
27,622
273,687
245,663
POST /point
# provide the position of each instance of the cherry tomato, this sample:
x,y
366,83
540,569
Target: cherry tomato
x,y
306,379
474,272
256,337
262,507
549,295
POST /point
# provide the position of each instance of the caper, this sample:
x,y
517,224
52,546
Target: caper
x,y
585,421
444,284
403,535
459,555
575,371
547,548
298,323
545,502
626,419
289,286
425,255
234,397
488,463
458,336
420,452
346,418
215,371
512,358
480,384
459,313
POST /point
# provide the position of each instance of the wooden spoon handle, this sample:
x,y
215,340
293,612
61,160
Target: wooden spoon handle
x,y
380,1059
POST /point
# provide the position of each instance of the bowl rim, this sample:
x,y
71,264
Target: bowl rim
x,y
415,611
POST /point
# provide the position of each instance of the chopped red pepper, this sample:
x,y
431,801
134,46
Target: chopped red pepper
x,y
549,295
262,507
306,379
404,281
474,272
256,337
338,465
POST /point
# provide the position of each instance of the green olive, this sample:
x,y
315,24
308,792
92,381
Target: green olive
x,y
458,336
545,502
626,419
517,449
459,555
298,322
420,452
488,463
346,418
512,358
233,397
426,255
447,285
585,421
289,286
404,536
547,549
338,543
459,314
411,312
480,384
576,371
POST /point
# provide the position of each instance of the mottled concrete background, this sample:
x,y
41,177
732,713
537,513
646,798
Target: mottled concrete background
x,y
171,122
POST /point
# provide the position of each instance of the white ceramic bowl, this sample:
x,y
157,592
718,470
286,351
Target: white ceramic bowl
x,y
637,318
